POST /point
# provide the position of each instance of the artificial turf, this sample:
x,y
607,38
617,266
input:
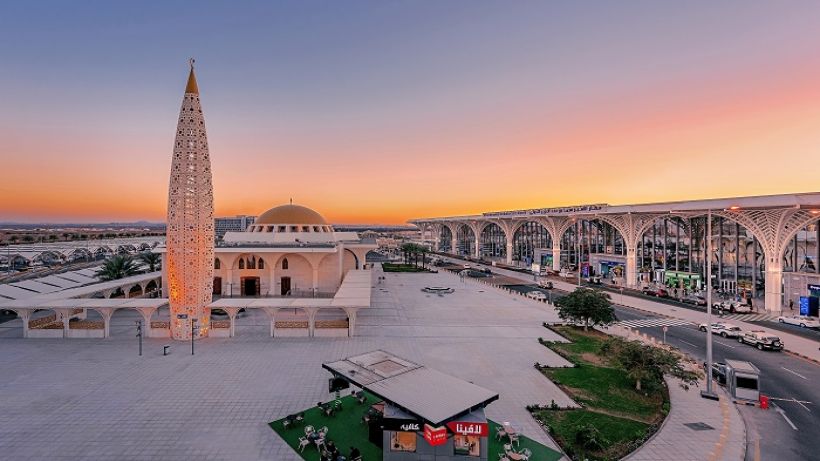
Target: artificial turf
x,y
346,429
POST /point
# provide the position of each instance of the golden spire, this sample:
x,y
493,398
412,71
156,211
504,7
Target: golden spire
x,y
191,86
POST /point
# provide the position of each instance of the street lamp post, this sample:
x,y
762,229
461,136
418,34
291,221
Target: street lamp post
x,y
193,333
709,393
139,334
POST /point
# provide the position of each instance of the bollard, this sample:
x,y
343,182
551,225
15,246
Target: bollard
x,y
165,349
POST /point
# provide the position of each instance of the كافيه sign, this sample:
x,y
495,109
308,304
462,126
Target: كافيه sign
x,y
435,436
404,425
469,428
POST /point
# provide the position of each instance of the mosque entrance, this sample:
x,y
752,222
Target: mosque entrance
x,y
285,286
217,286
250,286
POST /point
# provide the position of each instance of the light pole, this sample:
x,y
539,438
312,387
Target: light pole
x,y
709,393
139,334
193,333
578,252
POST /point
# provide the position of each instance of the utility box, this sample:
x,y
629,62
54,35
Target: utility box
x,y
743,380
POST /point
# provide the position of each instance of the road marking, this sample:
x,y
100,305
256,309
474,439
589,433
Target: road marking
x,y
757,450
795,373
783,414
687,342
724,344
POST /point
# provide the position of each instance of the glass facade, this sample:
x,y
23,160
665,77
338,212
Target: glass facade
x,y
493,242
589,236
445,240
465,238
529,237
802,254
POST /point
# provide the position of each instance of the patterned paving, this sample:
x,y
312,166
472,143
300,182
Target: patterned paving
x,y
96,399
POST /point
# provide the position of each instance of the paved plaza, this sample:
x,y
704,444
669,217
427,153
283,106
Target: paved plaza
x,y
96,399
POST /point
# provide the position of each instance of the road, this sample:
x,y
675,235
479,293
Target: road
x,y
791,383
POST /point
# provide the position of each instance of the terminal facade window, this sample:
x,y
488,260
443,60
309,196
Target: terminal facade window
x,y
467,445
403,441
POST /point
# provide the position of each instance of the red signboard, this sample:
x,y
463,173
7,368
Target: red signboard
x,y
469,428
435,435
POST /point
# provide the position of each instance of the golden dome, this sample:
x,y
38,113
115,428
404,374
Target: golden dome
x,y
290,214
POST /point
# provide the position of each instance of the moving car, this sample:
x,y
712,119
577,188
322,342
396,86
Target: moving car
x,y
657,292
718,372
732,306
723,329
695,300
537,295
761,340
545,284
800,320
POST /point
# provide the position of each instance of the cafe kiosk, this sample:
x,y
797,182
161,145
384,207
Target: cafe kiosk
x,y
426,415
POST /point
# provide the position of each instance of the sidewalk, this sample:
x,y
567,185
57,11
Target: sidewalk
x,y
801,346
724,439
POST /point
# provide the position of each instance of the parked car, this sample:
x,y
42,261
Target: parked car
x,y
486,270
537,295
761,340
695,300
475,273
718,372
657,292
735,307
723,329
800,320
593,280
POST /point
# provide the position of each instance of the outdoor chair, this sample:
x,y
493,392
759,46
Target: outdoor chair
x,y
309,429
320,444
360,397
514,439
503,457
500,433
365,419
526,452
300,418
303,442
328,411
323,431
286,423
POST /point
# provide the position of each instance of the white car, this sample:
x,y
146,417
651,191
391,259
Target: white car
x,y
733,307
804,322
723,329
537,295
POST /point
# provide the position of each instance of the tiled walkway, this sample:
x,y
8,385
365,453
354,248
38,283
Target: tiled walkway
x,y
96,399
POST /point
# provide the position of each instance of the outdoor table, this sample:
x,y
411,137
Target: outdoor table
x,y
515,456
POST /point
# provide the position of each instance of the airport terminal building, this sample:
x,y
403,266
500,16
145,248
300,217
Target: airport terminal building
x,y
763,247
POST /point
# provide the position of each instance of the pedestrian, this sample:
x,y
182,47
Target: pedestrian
x,y
791,304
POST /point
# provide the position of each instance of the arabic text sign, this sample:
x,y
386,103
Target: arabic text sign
x,y
469,428
435,435
548,211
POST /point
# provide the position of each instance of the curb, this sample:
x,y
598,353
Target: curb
x,y
799,355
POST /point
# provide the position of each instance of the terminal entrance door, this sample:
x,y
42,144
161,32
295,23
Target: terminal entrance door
x,y
285,286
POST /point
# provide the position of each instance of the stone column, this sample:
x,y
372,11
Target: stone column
x,y
454,245
65,316
341,270
311,312
271,279
147,313
25,316
556,257
774,287
271,311
351,320
106,313
229,281
477,246
509,250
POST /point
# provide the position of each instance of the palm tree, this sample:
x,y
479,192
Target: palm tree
x,y
117,267
152,259
14,239
28,238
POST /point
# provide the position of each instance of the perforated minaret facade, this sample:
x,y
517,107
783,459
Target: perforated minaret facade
x,y
190,234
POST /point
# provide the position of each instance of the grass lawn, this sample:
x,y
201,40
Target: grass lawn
x,y
346,429
391,267
610,403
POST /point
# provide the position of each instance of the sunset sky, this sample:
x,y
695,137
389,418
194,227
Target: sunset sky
x,y
382,111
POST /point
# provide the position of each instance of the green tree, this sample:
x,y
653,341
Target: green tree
x,y
588,306
589,438
647,364
14,239
52,237
152,259
117,267
28,238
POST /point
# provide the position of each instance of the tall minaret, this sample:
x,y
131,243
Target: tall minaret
x,y
190,233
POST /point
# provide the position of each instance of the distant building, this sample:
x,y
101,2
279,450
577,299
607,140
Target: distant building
x,y
236,223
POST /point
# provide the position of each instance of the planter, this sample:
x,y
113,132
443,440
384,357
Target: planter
x,y
80,333
45,333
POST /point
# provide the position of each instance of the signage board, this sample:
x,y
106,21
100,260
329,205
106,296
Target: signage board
x,y
469,428
435,436
399,424
809,305
548,211
182,316
536,268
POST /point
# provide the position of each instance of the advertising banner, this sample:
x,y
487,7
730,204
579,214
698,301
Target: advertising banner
x,y
435,436
469,428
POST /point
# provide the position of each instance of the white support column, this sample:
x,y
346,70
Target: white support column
x,y
341,271
64,314
509,248
232,311
25,316
631,266
454,245
106,313
351,320
315,279
271,311
311,312
229,282
774,287
147,313
477,253
556,257
271,279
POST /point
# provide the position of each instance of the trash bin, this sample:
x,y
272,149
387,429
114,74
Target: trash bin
x,y
165,350
764,402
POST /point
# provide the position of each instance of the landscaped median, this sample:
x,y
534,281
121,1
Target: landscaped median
x,y
392,267
619,385
347,429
